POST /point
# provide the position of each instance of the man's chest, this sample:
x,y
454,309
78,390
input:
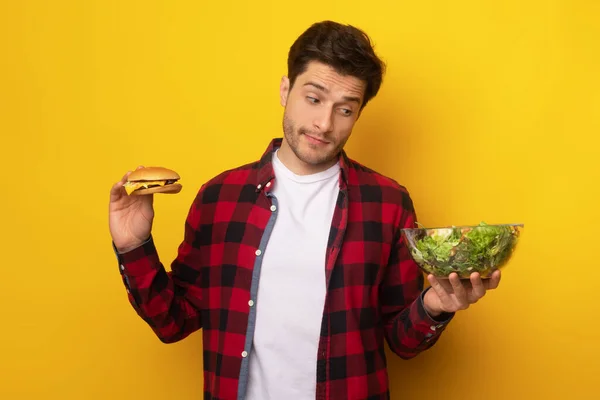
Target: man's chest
x,y
307,237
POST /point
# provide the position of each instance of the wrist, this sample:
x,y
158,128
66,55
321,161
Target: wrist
x,y
430,305
125,248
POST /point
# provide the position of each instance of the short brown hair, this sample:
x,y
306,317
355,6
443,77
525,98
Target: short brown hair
x,y
345,48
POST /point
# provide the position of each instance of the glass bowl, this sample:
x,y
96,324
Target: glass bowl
x,y
464,249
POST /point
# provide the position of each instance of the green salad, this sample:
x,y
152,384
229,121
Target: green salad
x,y
464,250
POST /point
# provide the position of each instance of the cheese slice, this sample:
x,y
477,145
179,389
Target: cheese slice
x,y
131,186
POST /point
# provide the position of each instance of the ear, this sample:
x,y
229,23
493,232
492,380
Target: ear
x,y
284,90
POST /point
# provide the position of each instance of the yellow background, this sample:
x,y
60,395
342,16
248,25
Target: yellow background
x,y
489,111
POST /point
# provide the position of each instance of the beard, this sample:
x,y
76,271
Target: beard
x,y
308,153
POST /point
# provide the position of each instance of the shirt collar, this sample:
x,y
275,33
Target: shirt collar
x,y
266,173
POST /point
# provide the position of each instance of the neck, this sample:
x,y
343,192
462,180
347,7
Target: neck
x,y
288,158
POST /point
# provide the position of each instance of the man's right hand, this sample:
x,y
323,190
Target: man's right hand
x,y
130,217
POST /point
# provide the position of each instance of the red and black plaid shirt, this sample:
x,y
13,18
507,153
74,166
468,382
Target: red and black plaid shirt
x,y
374,289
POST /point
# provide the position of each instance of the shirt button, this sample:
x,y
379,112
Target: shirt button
x,y
122,267
432,327
258,252
259,186
244,354
251,303
268,184
273,208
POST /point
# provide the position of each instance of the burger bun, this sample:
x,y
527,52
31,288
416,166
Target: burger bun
x,y
150,180
153,174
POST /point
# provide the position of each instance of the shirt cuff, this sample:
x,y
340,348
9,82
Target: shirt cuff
x,y
443,318
433,325
139,261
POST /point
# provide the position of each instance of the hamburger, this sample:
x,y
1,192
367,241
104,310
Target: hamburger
x,y
150,180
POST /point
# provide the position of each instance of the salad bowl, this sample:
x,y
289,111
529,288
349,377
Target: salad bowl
x,y
464,249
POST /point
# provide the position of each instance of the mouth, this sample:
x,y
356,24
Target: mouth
x,y
315,140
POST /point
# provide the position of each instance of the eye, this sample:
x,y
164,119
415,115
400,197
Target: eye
x,y
312,100
346,112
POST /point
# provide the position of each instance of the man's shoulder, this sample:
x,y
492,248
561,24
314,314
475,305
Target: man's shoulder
x,y
372,183
238,175
239,183
236,184
360,174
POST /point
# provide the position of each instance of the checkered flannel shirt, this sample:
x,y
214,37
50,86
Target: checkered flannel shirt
x,y
374,288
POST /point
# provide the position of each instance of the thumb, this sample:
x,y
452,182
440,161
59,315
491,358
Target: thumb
x,y
116,192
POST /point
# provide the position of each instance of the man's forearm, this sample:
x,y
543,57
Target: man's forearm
x,y
414,330
151,292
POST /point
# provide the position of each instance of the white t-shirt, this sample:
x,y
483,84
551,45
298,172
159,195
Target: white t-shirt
x,y
291,292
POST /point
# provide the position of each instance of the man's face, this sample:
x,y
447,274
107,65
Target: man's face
x,y
320,112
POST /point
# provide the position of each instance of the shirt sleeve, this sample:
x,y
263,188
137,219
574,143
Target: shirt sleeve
x,y
169,302
409,329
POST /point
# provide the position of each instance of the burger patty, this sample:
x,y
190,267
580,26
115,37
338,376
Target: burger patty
x,y
168,182
147,184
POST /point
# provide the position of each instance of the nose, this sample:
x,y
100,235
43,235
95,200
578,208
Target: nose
x,y
323,121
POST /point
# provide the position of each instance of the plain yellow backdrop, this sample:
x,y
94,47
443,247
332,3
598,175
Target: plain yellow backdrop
x,y
489,111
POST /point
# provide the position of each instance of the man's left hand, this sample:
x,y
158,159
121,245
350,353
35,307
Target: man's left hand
x,y
454,294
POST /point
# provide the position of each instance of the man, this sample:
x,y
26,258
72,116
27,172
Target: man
x,y
293,265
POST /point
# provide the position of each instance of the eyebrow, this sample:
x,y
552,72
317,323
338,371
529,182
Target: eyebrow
x,y
324,89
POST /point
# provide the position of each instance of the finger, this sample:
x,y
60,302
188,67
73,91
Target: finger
x,y
139,167
478,287
494,281
459,290
439,290
150,198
